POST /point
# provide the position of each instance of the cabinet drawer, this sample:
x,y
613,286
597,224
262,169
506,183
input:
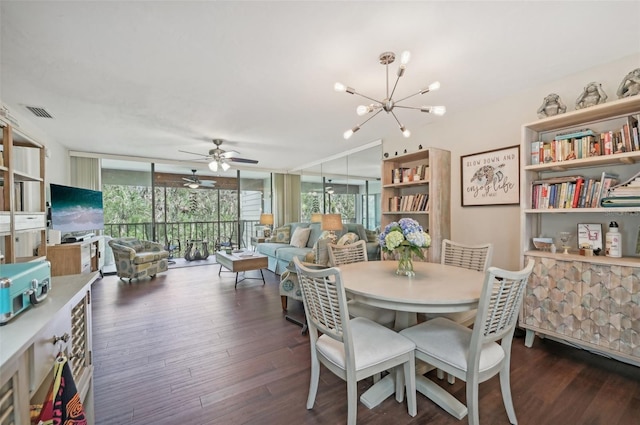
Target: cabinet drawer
x,y
29,221
44,350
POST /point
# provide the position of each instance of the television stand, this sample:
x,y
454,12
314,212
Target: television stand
x,y
78,238
84,256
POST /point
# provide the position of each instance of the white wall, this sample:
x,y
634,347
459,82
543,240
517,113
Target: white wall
x,y
495,126
57,160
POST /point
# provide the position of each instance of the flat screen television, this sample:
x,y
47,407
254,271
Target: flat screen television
x,y
76,210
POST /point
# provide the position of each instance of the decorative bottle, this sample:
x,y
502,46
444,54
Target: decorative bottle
x,y
613,241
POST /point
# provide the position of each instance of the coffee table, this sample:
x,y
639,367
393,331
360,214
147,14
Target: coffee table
x,y
242,261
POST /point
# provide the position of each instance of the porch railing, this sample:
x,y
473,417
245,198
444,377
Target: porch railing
x,y
178,233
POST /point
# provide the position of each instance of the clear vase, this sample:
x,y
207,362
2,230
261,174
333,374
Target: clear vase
x,y
405,263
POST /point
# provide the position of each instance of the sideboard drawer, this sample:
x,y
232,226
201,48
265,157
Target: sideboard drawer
x,y
29,221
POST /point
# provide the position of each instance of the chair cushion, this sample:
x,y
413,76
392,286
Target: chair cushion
x,y
132,243
300,237
373,344
449,342
287,252
149,256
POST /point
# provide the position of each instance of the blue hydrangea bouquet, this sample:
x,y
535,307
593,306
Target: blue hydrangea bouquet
x,y
405,238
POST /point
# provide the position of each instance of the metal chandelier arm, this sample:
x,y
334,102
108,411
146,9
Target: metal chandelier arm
x,y
366,97
349,133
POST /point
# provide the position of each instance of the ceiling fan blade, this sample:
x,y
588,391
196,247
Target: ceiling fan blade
x,y
194,153
208,183
229,154
244,160
190,180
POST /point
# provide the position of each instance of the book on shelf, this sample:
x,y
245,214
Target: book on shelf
x,y
586,143
574,134
576,191
607,181
536,151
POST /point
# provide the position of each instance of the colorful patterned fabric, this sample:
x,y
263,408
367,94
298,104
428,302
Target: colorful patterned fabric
x,y
348,239
150,259
282,234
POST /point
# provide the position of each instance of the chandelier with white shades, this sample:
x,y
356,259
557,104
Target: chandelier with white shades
x,y
388,104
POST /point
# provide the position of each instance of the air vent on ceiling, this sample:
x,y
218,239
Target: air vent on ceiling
x,y
39,112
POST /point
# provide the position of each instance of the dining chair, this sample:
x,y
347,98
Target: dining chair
x,y
354,253
473,257
353,349
474,355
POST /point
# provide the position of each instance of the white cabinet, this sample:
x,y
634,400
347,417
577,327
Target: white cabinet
x,y
31,341
591,302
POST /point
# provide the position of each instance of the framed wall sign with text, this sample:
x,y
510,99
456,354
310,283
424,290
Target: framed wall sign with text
x,y
590,234
491,177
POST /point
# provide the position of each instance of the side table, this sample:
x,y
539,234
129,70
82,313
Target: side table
x,y
255,240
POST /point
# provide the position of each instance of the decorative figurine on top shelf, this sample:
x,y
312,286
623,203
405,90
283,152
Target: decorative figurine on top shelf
x,y
592,95
551,105
630,85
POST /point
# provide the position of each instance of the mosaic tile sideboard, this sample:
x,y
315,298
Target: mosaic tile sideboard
x,y
595,306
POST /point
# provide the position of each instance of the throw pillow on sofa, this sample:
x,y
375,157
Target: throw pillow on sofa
x,y
300,237
320,250
348,239
282,234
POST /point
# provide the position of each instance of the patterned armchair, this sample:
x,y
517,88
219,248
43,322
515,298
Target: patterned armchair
x,y
136,259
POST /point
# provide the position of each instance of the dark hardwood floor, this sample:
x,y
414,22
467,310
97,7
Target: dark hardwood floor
x,y
186,348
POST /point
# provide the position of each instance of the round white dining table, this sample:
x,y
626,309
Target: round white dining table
x,y
435,288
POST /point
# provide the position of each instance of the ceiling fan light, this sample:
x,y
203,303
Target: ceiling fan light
x,y
193,185
225,166
213,166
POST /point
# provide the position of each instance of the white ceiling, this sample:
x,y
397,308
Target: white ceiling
x,y
150,78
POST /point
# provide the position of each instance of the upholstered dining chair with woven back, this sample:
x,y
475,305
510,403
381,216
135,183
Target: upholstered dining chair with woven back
x,y
473,257
354,253
474,355
353,349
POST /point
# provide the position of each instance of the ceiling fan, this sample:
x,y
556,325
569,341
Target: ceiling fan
x,y
194,182
221,158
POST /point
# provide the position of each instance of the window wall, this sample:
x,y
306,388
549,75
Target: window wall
x,y
162,203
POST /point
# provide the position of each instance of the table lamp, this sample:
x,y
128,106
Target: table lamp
x,y
266,219
316,217
332,222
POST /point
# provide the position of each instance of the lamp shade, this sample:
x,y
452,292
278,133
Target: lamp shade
x,y
332,222
266,219
316,217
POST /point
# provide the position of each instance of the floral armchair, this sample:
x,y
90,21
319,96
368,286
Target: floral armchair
x,y
136,259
